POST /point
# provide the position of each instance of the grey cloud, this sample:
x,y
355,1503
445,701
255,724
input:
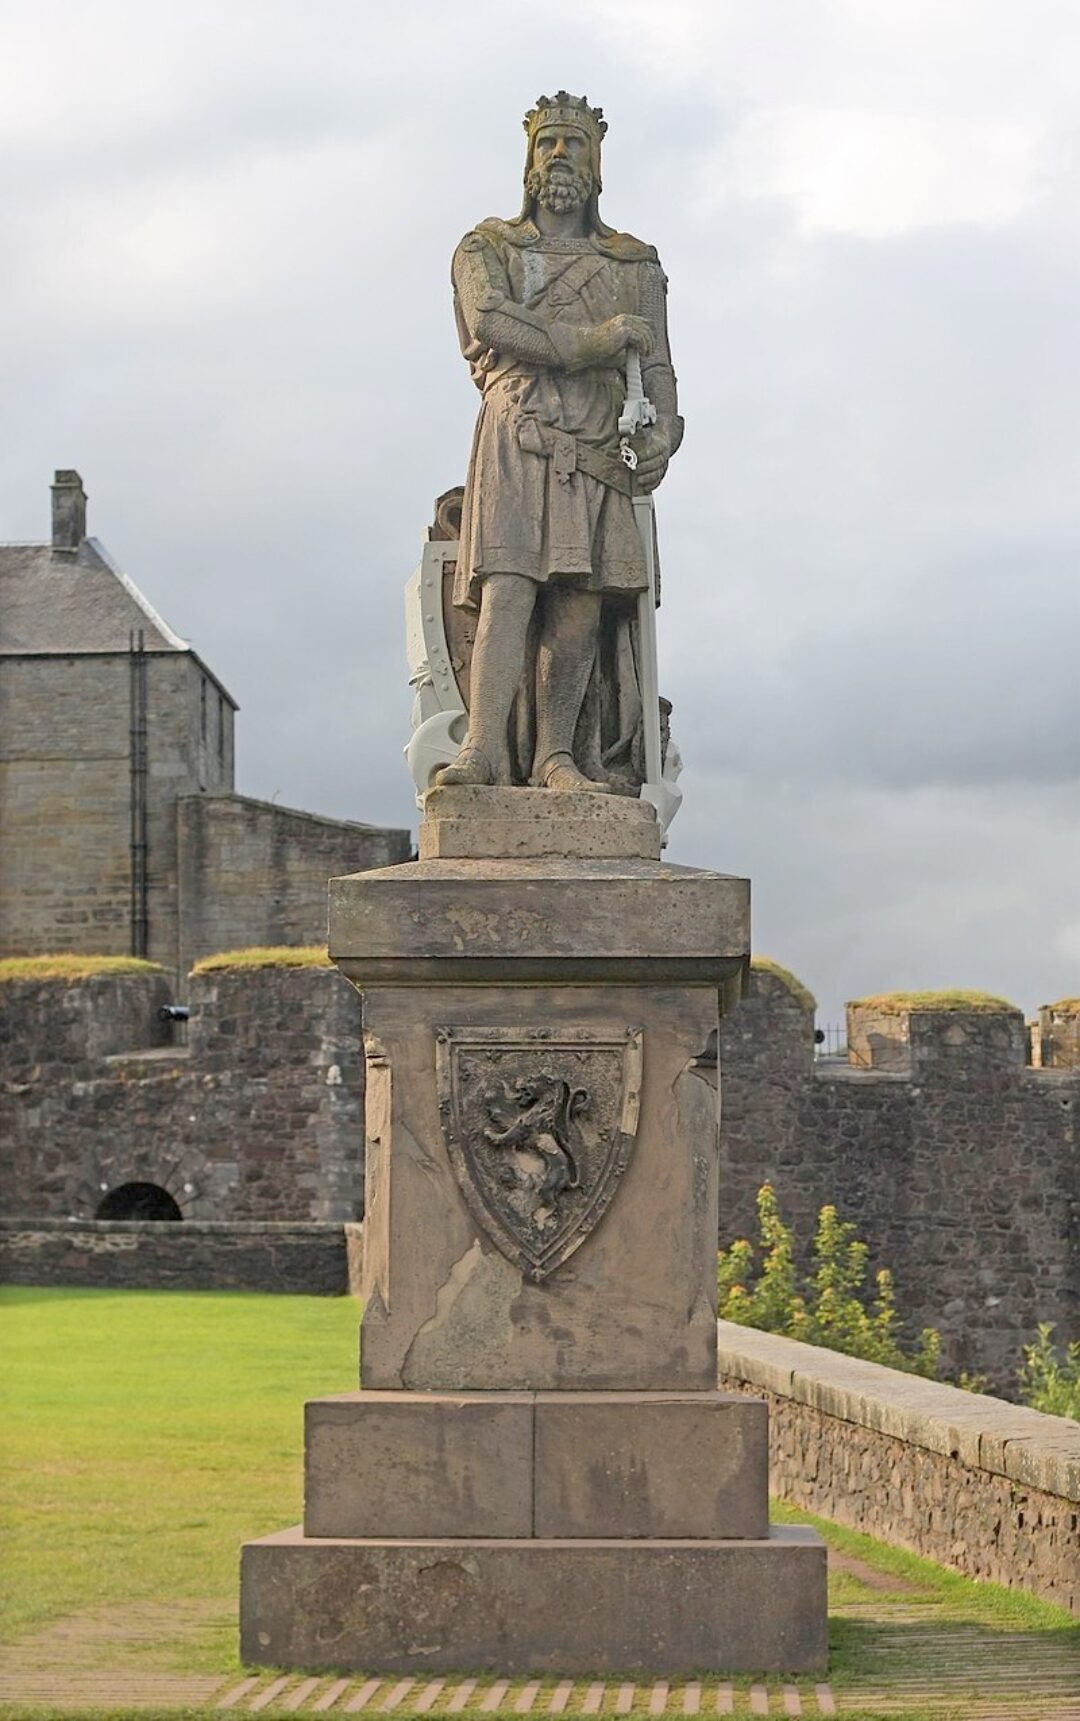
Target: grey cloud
x,y
870,538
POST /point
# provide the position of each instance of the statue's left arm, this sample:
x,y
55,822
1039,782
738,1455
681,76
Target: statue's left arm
x,y
660,440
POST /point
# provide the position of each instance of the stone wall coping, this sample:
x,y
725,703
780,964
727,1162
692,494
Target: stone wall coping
x,y
828,1070
986,1433
182,1227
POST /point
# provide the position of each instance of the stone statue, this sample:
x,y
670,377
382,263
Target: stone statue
x,y
553,308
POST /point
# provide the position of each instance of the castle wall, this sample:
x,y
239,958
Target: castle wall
x,y
253,873
258,1117
960,1170
65,865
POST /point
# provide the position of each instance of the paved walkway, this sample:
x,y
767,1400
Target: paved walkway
x,y
898,1650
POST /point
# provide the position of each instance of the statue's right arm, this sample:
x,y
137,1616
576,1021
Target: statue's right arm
x,y
489,314
495,322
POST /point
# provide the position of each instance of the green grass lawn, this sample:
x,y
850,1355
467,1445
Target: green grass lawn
x,y
148,1434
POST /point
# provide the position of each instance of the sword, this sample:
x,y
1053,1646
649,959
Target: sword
x,y
638,412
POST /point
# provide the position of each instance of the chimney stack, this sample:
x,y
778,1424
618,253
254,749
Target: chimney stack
x,y
68,511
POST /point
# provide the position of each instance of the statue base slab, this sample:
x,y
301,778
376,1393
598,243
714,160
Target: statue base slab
x,y
478,823
514,1606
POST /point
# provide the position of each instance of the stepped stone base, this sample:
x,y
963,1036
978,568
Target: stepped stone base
x,y
663,1607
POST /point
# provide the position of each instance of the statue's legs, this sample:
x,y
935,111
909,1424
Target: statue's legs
x,y
564,663
498,661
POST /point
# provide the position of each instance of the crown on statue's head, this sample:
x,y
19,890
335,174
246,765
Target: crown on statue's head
x,y
565,109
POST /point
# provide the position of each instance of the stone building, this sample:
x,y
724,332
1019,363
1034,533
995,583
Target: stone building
x,y
121,830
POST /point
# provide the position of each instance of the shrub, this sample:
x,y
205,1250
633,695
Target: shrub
x,y
831,1306
1049,1381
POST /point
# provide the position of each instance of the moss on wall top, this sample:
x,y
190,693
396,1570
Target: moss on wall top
x,y
65,965
266,956
766,965
1065,1007
899,1003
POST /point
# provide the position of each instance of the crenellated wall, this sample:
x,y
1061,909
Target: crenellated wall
x,y
959,1163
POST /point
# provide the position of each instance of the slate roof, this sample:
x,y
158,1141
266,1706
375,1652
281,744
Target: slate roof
x,y
73,603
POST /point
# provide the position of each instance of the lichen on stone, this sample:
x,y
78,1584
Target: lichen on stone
x,y
899,1003
802,994
265,956
67,965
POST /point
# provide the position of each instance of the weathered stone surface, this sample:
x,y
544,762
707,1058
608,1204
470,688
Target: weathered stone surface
x,y
539,1606
531,921
419,1464
646,1464
521,824
445,1310
534,806
531,839
989,1488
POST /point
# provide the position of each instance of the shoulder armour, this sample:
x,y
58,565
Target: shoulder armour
x,y
628,249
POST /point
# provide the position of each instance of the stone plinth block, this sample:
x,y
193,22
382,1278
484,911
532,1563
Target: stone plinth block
x,y
419,1464
662,1607
525,824
541,1201
651,1464
690,1465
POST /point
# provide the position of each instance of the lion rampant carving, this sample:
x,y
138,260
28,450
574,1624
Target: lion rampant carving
x,y
537,1115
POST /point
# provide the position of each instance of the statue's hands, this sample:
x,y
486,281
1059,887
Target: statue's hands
x,y
614,336
655,446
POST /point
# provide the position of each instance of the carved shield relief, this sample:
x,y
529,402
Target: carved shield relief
x,y
539,1126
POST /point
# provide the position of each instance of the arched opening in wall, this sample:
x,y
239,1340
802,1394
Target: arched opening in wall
x,y
138,1201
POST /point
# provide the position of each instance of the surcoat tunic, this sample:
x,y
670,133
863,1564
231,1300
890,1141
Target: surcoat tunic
x,y
547,495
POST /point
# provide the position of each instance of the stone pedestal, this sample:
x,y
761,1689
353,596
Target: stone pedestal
x,y
539,1475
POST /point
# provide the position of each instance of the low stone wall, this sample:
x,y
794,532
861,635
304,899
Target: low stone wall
x,y
986,1487
186,1255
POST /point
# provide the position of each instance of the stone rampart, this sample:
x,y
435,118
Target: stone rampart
x,y
986,1487
259,1117
199,1255
958,1163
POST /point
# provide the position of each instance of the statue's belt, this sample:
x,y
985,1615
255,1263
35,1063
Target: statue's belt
x,y
570,455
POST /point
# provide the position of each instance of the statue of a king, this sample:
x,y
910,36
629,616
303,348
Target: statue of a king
x,y
550,305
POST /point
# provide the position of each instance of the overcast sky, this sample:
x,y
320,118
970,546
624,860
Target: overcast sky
x,y
224,294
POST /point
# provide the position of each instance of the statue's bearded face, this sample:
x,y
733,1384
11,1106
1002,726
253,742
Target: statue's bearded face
x,y
560,177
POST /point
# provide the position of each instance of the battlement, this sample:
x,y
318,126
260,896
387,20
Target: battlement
x,y
947,1035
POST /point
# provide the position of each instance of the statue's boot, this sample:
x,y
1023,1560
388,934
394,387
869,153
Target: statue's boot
x,y
559,772
472,765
